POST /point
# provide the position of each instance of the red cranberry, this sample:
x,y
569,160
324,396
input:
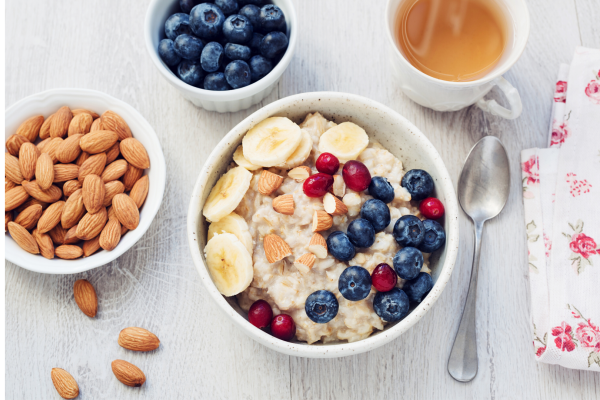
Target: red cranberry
x,y
317,185
260,314
384,278
283,327
431,208
356,175
327,163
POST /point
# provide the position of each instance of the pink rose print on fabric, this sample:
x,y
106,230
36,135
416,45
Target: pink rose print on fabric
x,y
540,351
560,94
531,170
582,246
548,245
577,187
592,91
560,132
564,338
588,335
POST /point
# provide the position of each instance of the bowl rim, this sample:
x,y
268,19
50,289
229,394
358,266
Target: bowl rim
x,y
338,349
102,258
229,95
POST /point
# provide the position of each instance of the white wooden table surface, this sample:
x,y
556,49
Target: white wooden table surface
x,y
341,47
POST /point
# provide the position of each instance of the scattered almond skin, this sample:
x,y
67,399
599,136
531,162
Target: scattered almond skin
x,y
58,235
78,111
51,217
30,129
50,195
81,123
93,165
318,245
114,122
45,128
112,153
98,141
284,204
91,246
138,339
93,193
45,244
131,176
300,174
43,143
8,217
44,171
68,252
64,383
30,202
111,190
14,143
71,236
29,217
269,182
276,248
8,184
114,170
65,172
139,192
60,122
96,125
85,297
69,149
91,225
321,221
128,373
135,153
82,157
111,235
23,238
14,198
70,187
305,262
126,211
73,210
51,148
333,205
12,170
28,155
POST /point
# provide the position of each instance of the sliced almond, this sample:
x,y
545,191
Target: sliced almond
x,y
23,238
82,157
70,187
64,383
284,204
138,339
51,148
91,225
60,122
45,244
81,123
126,211
58,235
321,221
51,217
300,174
69,149
305,262
339,186
112,153
276,248
318,245
68,252
65,172
98,141
79,111
135,153
114,171
131,176
93,193
114,122
73,210
91,246
112,189
29,217
30,129
71,236
45,128
128,373
269,182
44,171
333,205
14,143
93,165
12,170
14,198
28,155
52,194
139,192
85,297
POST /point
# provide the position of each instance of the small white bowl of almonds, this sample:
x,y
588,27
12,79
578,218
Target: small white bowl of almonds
x,y
84,178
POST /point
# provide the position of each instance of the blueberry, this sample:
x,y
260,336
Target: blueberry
x,y
409,231
177,24
418,183
251,12
391,306
237,51
237,74
321,306
212,57
259,67
416,289
216,81
187,5
271,18
361,233
227,6
206,21
355,283
408,263
188,47
167,53
190,72
273,44
255,43
340,246
377,213
381,189
435,236
238,29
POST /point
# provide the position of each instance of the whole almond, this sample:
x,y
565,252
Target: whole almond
x,y
52,194
113,122
69,149
43,143
81,123
23,238
111,190
52,147
126,211
282,204
12,170
82,157
91,246
14,198
29,216
91,225
73,211
78,111
68,252
128,373
93,165
8,217
93,193
135,153
30,129
28,155
70,187
30,202
85,297
276,248
111,234
138,339
98,141
45,129
112,153
114,171
45,244
131,176
58,235
51,217
269,182
140,191
96,125
64,383
60,122
65,172
71,236
8,184
44,171
14,143
111,213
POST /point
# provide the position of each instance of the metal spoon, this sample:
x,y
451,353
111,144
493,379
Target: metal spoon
x,y
483,189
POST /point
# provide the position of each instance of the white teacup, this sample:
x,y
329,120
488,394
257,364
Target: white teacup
x,y
443,95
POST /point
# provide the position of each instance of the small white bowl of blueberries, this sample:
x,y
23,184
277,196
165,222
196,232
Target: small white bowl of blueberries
x,y
222,55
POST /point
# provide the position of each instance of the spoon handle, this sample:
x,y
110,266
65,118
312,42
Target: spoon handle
x,y
462,364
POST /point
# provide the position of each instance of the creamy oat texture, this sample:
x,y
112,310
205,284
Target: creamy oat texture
x,y
281,284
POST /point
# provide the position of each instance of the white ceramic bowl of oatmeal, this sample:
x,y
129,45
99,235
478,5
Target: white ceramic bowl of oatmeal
x,y
350,332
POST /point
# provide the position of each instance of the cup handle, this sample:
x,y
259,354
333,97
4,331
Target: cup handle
x,y
491,106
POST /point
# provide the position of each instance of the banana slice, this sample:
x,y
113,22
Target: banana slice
x,y
234,224
301,154
229,264
345,141
238,157
227,193
271,141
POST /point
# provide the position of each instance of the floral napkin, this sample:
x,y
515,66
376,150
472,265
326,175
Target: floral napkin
x,y
561,197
